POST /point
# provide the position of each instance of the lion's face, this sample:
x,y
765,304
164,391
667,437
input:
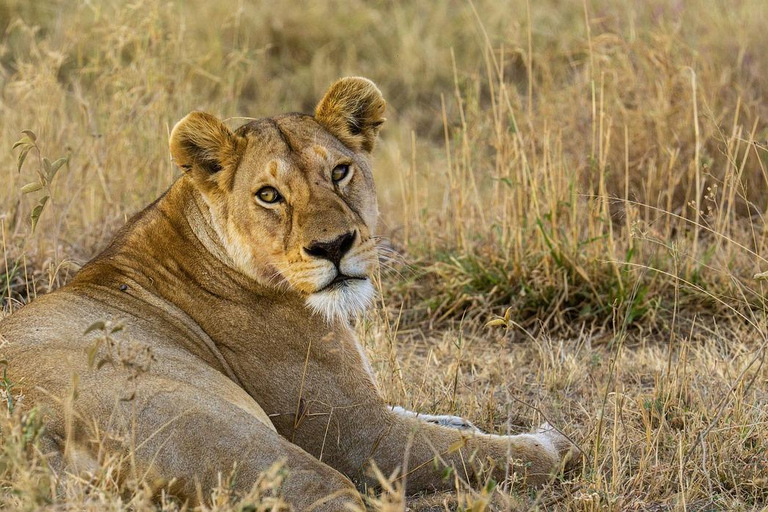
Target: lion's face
x,y
292,197
302,214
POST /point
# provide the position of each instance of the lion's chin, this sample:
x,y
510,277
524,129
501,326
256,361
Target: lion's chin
x,y
343,300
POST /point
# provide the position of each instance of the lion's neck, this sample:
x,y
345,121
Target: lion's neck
x,y
198,216
171,252
180,237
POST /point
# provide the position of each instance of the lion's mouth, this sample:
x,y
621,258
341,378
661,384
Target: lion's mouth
x,y
343,297
340,281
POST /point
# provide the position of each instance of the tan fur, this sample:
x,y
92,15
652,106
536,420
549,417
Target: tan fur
x,y
353,111
219,360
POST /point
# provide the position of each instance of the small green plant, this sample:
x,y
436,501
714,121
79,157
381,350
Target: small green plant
x,y
7,385
111,348
46,172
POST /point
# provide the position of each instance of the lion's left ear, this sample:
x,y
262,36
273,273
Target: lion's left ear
x,y
352,110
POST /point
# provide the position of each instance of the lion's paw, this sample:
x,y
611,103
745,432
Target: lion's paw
x,y
444,420
450,422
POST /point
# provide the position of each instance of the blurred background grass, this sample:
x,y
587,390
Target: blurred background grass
x,y
597,166
528,148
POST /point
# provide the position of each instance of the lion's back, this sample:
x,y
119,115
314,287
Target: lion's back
x,y
48,350
56,318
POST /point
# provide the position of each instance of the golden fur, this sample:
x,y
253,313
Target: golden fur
x,y
234,344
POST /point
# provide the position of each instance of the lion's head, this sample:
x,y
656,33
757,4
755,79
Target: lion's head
x,y
292,197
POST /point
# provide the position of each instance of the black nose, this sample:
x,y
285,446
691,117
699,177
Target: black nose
x,y
334,250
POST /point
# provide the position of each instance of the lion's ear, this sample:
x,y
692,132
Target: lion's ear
x,y
202,144
352,110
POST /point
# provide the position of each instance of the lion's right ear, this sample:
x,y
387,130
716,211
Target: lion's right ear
x,y
201,143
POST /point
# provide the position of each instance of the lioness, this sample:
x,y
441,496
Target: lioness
x,y
230,298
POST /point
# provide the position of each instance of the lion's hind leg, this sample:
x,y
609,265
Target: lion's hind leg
x,y
195,438
172,436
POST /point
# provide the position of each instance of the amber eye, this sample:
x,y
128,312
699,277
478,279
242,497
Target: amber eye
x,y
339,172
269,195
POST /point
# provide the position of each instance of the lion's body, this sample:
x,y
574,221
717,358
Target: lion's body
x,y
233,346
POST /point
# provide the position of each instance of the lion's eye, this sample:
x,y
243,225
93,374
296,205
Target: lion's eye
x,y
269,195
339,172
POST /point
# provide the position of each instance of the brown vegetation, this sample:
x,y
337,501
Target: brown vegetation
x,y
573,195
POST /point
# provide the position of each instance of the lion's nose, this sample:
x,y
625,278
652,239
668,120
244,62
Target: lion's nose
x,y
334,250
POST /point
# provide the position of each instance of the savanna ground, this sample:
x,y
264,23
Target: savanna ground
x,y
573,198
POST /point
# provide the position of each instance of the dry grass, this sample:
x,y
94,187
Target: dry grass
x,y
597,167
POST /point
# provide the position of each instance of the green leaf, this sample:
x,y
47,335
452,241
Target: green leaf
x,y
55,166
22,157
496,322
37,211
24,141
75,385
46,166
91,353
30,134
99,325
31,187
7,385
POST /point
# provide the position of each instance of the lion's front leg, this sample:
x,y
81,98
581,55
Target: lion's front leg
x,y
529,459
418,450
343,420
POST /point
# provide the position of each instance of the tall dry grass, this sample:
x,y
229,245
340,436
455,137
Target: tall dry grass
x,y
574,192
